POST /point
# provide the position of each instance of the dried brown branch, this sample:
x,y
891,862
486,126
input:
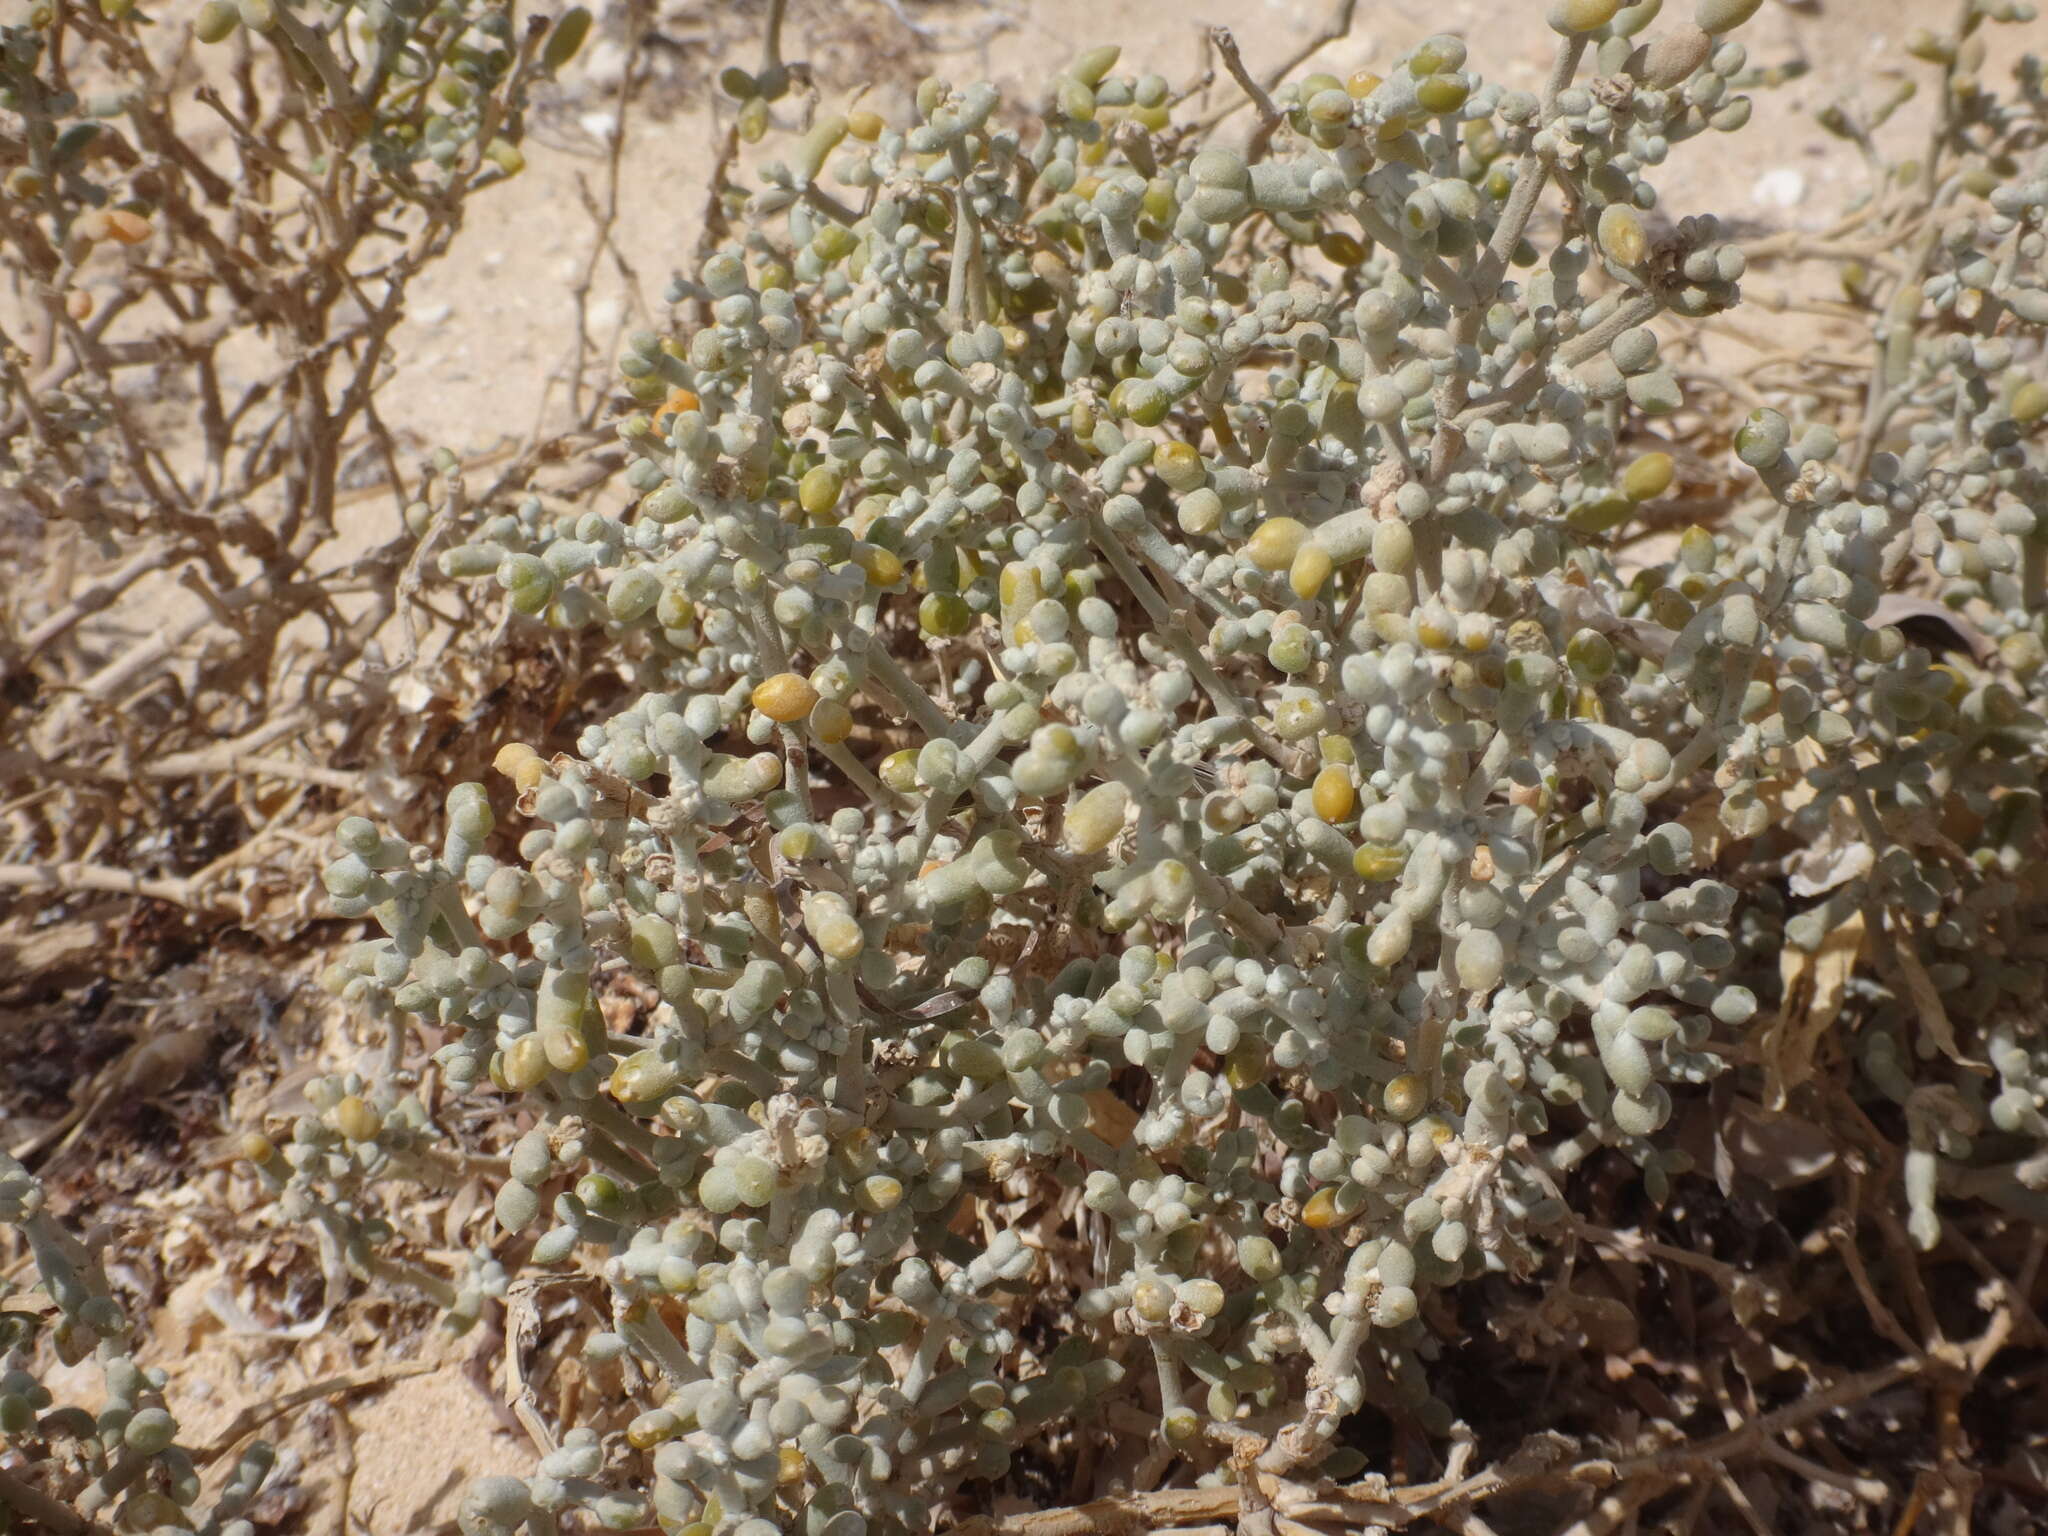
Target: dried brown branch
x,y
253,1417
67,878
39,1508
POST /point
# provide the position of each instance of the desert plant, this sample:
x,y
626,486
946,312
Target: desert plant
x,y
1173,796
212,220
1292,840
127,1447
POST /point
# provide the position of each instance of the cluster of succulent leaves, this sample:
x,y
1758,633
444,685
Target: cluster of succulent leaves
x,y
1134,697
128,1445
1147,838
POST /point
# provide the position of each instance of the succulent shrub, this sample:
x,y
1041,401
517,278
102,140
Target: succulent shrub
x,y
1139,709
1164,811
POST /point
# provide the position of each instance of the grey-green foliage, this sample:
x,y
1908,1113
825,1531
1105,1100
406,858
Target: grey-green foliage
x,y
128,1447
382,118
1231,538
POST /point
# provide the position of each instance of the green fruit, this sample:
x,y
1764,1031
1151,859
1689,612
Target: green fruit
x,y
1572,17
1724,15
216,19
945,614
1648,477
565,38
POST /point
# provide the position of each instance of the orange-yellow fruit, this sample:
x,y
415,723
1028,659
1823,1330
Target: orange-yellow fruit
x,y
127,226
1333,795
785,698
678,401
1321,1211
357,1120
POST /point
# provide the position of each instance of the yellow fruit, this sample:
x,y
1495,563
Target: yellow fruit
x,y
818,492
1379,861
831,922
650,1429
1321,1212
946,614
513,756
1622,236
1442,93
1311,568
525,1063
785,698
1404,1096
1647,478
1097,818
357,1120
899,770
884,567
1178,464
878,1192
1334,795
1275,543
1582,15
1245,1065
565,1049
